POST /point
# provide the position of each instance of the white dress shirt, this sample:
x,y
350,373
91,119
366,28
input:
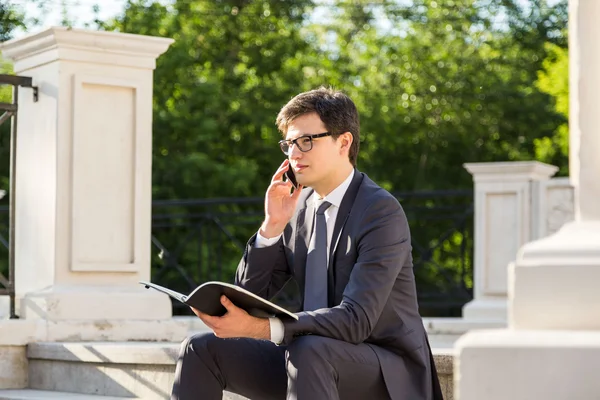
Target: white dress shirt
x,y
335,198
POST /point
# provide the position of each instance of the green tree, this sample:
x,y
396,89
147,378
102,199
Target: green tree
x,y
554,80
11,19
441,83
438,84
218,90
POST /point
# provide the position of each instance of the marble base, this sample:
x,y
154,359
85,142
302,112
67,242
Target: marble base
x,y
555,281
116,302
525,365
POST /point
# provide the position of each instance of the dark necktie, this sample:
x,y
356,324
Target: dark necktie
x,y
315,289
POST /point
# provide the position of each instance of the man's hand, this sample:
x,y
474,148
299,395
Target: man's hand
x,y
279,203
236,323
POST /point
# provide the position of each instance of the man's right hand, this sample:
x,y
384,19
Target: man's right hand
x,y
279,203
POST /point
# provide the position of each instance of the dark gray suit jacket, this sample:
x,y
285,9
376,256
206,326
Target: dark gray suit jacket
x,y
372,295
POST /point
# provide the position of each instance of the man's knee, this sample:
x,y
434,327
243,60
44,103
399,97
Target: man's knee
x,y
309,350
197,344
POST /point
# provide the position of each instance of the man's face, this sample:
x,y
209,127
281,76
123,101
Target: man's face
x,y
314,168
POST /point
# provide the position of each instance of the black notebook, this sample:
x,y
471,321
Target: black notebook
x,y
207,298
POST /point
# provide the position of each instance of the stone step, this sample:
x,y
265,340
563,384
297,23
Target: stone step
x,y
29,394
142,370
127,369
32,394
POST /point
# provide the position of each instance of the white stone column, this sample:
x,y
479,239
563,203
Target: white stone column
x,y
83,185
568,263
551,350
504,220
553,206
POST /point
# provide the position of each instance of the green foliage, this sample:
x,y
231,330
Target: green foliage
x,y
554,80
5,97
11,18
446,83
218,90
5,90
437,83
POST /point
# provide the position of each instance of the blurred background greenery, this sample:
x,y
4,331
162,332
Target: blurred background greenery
x,y
437,84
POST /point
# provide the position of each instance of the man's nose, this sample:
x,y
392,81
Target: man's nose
x,y
294,152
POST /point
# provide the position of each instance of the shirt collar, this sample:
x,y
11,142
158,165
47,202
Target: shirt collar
x,y
337,194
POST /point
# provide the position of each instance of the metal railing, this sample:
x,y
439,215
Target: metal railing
x,y
194,241
10,113
199,240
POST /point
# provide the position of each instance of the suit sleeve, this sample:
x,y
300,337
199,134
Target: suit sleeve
x,y
263,270
383,247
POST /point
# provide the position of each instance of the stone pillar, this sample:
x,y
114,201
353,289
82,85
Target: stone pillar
x,y
83,185
504,220
553,206
568,263
552,347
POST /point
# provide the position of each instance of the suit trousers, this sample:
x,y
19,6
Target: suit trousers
x,y
311,368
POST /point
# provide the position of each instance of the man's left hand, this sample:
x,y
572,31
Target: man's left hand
x,y
236,323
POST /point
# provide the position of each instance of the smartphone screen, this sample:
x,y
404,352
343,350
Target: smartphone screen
x,y
289,174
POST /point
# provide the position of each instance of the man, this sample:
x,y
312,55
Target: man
x,y
346,242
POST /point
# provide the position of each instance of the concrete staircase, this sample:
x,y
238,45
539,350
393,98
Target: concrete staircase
x,y
29,394
117,371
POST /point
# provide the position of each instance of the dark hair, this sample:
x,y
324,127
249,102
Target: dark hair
x,y
336,110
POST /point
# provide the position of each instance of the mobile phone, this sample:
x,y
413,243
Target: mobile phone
x,y
289,174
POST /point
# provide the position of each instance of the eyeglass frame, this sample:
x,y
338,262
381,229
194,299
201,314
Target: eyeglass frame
x,y
291,142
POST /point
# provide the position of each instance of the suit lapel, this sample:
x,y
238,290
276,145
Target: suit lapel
x,y
340,222
344,212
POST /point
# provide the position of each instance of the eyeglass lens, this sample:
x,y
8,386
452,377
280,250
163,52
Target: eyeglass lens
x,y
304,144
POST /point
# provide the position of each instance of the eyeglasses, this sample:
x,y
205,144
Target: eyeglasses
x,y
304,143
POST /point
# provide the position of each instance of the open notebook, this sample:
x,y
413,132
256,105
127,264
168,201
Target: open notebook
x,y
206,298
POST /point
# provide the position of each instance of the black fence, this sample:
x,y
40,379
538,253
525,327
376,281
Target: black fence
x,y
7,272
6,281
195,241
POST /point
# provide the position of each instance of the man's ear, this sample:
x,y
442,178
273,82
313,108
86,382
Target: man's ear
x,y
346,140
